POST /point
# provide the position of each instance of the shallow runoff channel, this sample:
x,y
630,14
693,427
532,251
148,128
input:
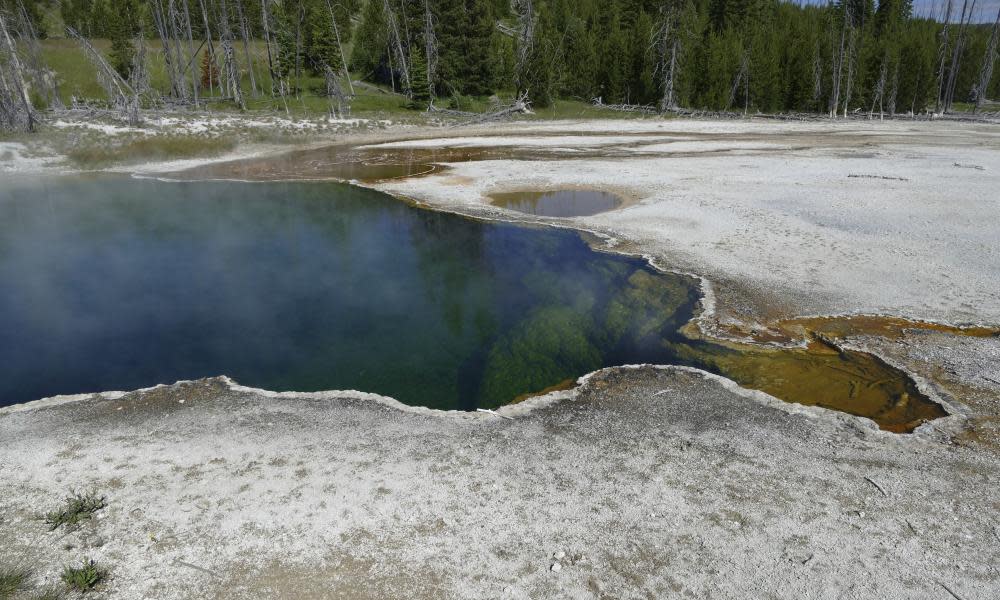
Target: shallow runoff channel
x,y
113,283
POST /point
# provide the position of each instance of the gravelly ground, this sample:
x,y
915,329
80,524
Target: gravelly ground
x,y
648,483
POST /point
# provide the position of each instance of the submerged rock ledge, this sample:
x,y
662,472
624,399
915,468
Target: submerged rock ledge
x,y
726,493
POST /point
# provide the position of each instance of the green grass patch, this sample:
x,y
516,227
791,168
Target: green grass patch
x,y
85,577
77,507
11,581
94,155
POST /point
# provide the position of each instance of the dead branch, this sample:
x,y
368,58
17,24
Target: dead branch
x,y
950,591
498,112
121,96
877,486
506,30
431,108
867,176
182,563
628,108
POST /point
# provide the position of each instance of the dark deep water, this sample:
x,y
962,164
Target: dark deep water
x,y
111,283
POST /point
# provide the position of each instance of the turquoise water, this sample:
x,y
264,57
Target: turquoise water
x,y
112,283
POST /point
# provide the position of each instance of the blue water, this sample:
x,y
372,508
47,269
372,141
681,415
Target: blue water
x,y
110,283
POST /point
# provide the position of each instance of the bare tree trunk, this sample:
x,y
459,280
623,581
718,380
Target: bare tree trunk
x,y
668,45
246,37
43,80
176,35
851,58
229,60
742,78
986,70
192,56
340,46
335,93
942,56
139,72
957,54
817,75
878,95
265,22
160,20
15,100
398,48
430,46
894,89
838,67
525,38
298,49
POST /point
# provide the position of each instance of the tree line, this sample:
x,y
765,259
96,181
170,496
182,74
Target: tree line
x,y
850,56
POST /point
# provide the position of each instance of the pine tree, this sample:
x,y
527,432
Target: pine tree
x,y
421,89
614,67
123,27
283,19
321,49
370,42
453,25
476,74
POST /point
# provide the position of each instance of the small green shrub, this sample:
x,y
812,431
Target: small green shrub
x,y
11,580
84,577
77,508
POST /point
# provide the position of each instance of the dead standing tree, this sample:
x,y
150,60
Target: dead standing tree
x,y
232,72
16,110
878,94
851,57
986,70
525,11
122,98
398,48
42,79
247,38
956,55
840,55
340,45
165,22
340,107
742,79
265,22
817,72
430,46
943,56
667,40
